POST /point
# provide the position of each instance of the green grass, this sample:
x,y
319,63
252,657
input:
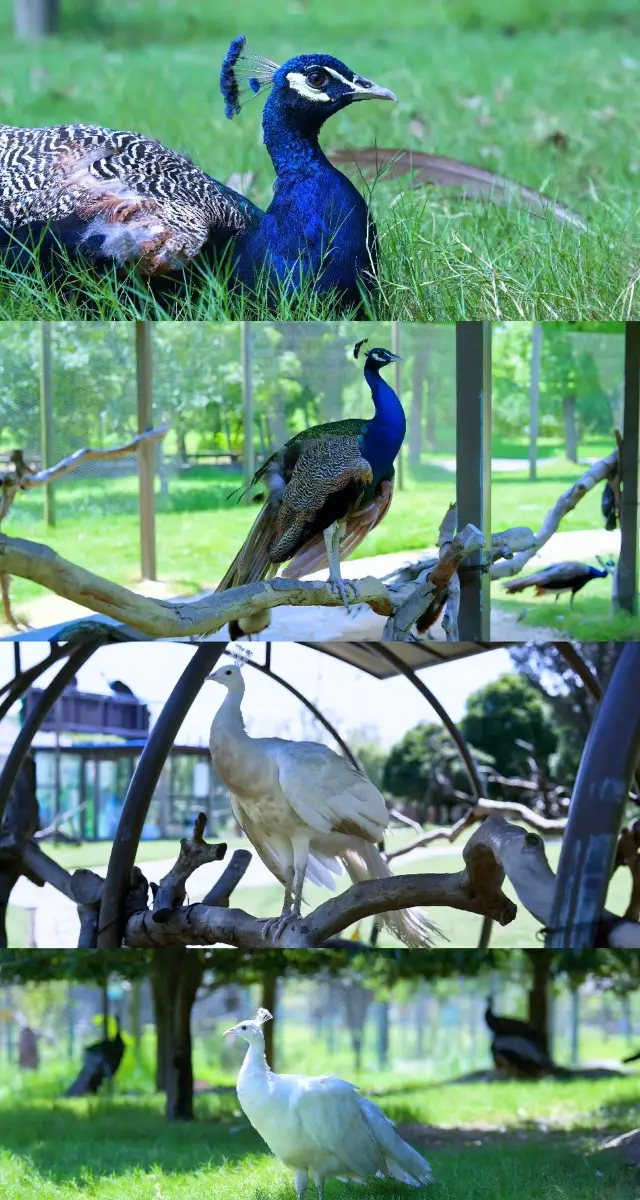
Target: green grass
x,y
121,1148
487,85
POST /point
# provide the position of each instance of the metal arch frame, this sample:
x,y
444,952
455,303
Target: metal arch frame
x,y
607,767
22,744
141,788
21,682
265,669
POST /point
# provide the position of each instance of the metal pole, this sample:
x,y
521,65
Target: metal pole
x,y
266,670
140,791
20,748
146,451
473,468
534,399
625,595
597,809
248,455
46,419
397,385
35,19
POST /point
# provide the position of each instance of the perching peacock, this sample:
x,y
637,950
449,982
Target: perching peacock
x,y
329,486
307,811
120,197
320,1126
561,577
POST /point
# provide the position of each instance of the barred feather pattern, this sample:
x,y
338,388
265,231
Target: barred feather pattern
x,y
327,466
50,174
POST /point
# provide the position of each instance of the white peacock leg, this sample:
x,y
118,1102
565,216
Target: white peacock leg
x,y
277,923
300,861
302,1183
332,538
319,1182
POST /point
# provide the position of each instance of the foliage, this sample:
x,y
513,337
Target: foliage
x,y
504,713
425,769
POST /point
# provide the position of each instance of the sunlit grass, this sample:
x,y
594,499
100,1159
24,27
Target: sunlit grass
x,y
488,86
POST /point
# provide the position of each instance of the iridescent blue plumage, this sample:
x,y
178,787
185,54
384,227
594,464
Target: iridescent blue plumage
x,y
122,198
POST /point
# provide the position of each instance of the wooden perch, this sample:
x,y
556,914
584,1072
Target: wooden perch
x,y
523,858
475,889
204,614
194,853
597,473
427,597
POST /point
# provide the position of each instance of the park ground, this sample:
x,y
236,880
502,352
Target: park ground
x,y
485,1141
56,923
544,95
199,531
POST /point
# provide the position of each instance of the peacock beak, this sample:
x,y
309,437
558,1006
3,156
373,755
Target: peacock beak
x,y
228,1031
366,89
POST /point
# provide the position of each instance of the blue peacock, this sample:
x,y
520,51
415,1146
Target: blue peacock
x,y
561,577
327,488
122,198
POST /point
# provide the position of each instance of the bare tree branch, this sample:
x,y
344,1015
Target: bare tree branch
x,y
194,853
479,812
218,896
596,473
205,614
428,595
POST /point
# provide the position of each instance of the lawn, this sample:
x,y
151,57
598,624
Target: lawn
x,y
537,1142
545,96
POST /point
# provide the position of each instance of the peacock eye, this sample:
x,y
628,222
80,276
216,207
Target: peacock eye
x,y
317,78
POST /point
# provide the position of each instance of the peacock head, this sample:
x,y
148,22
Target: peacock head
x,y
309,88
608,566
251,1031
377,357
229,677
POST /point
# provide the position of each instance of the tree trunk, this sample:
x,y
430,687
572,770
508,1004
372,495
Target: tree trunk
x,y
35,19
415,418
269,999
383,1034
534,398
570,427
539,996
176,979
182,447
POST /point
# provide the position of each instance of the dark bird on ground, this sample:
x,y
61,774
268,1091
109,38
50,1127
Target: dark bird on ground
x,y
609,507
561,577
120,198
517,1048
328,487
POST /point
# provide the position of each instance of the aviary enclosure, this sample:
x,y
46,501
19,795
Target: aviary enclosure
x,y
140,447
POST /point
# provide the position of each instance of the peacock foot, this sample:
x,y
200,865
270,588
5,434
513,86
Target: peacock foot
x,y
276,925
340,586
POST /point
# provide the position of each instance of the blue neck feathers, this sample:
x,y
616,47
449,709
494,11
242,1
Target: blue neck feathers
x,y
385,432
317,222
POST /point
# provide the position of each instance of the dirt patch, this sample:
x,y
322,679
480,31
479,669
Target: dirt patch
x,y
481,1134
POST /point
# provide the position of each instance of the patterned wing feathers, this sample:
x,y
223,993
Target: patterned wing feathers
x,y
359,523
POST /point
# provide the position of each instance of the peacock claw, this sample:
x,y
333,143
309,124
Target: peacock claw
x,y
272,928
340,586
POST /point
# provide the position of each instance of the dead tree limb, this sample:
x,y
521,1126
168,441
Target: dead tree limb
x,y
194,853
605,468
479,812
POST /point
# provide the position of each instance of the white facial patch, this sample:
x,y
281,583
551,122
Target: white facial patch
x,y
299,84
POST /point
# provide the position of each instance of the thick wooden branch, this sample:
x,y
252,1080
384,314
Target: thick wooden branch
x,y
194,853
220,893
597,473
523,858
205,614
428,596
475,889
